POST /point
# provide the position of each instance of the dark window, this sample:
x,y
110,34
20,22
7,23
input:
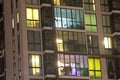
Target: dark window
x,y
34,41
111,69
46,16
93,45
105,5
32,2
116,22
75,3
11,6
106,24
45,1
49,63
18,41
89,5
16,3
48,39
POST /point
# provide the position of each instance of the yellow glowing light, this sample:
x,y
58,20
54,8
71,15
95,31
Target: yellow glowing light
x,y
59,41
60,64
106,42
35,63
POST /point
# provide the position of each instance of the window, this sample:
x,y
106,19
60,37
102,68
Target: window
x,y
48,40
32,16
49,64
90,21
93,45
16,3
34,41
19,67
69,18
72,65
32,2
106,24
17,17
108,45
116,22
105,5
89,5
50,79
76,3
45,1
71,41
13,49
13,26
94,68
111,69
14,72
35,65
18,43
11,6
116,4
46,16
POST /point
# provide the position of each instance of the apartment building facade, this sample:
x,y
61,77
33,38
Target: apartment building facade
x,y
62,39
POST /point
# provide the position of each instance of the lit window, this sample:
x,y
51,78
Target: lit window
x,y
69,18
34,64
13,23
108,45
94,68
32,16
91,23
71,41
107,42
17,17
75,65
57,2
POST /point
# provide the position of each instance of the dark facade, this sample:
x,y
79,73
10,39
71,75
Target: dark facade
x,y
2,41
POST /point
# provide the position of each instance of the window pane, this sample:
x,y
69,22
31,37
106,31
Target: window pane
x,y
29,13
34,64
87,19
35,14
91,64
93,20
97,64
98,74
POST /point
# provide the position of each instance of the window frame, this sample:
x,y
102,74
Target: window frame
x,y
36,45
91,24
32,23
35,68
94,67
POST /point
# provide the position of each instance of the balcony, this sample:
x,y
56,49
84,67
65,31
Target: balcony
x,y
116,22
115,4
